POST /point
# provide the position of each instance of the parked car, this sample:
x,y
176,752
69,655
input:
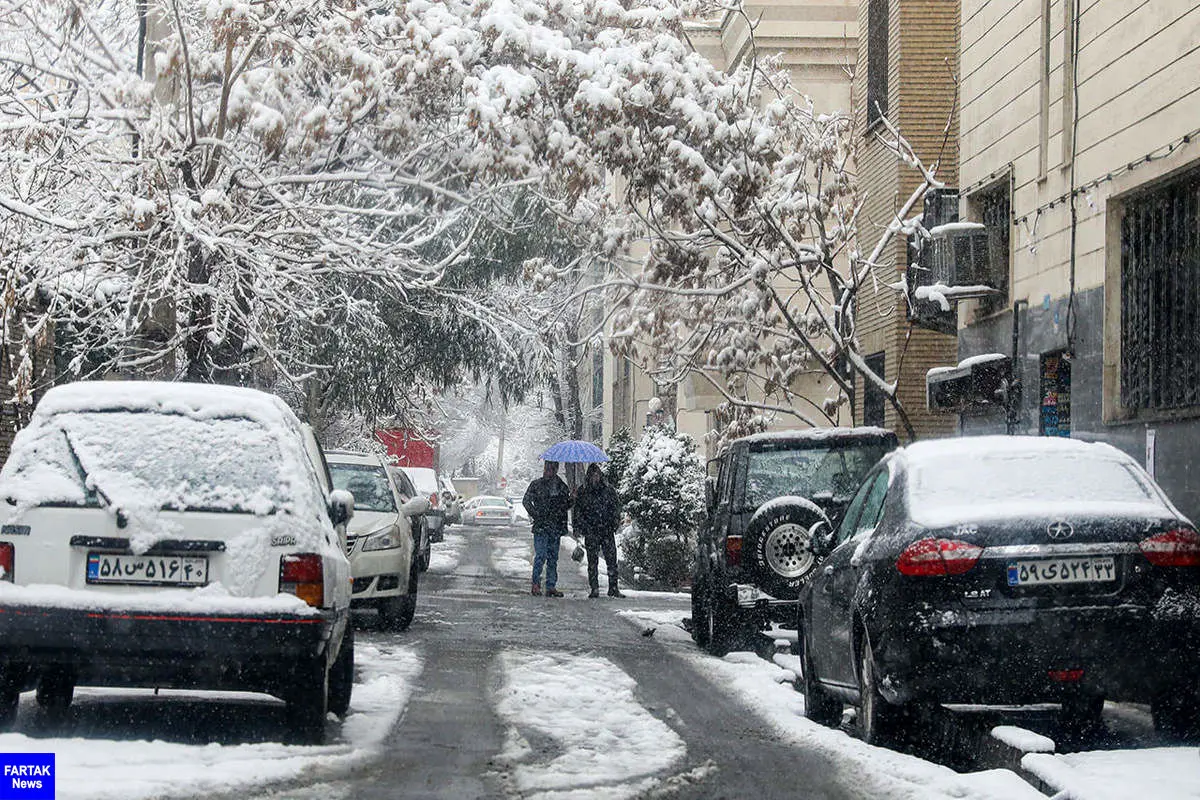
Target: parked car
x,y
379,542
773,493
420,529
1004,570
173,535
487,510
425,479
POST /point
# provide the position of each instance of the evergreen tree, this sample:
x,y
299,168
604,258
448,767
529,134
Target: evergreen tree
x,y
663,489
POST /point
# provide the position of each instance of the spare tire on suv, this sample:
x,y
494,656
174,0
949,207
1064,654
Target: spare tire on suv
x,y
777,543
773,494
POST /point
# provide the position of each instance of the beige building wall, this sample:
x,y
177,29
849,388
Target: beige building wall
x,y
1139,88
922,52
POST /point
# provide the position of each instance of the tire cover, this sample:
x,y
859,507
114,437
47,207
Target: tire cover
x,y
777,542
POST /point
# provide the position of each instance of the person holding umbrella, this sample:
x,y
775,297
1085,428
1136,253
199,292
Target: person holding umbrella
x,y
547,500
597,517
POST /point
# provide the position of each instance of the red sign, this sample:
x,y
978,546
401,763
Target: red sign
x,y
408,448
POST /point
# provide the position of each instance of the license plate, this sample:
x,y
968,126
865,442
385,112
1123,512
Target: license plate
x,y
147,570
1092,569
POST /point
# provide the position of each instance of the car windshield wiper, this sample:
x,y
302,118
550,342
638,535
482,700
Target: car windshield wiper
x,y
84,476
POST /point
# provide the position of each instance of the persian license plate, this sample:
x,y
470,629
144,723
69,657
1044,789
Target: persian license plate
x,y
147,570
1088,569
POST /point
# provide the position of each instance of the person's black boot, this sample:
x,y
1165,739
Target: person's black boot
x,y
613,591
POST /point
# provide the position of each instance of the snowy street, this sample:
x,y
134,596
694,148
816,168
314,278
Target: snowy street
x,y
493,693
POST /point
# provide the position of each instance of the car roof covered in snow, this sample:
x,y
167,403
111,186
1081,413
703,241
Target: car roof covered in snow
x,y
198,400
816,435
992,477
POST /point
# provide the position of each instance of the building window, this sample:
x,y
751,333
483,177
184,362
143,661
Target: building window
x,y
993,207
1160,306
1055,417
874,400
597,378
877,60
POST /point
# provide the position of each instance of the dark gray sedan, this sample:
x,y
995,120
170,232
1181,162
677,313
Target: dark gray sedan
x,y
1005,570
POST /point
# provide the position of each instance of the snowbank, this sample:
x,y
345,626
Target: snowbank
x,y
1162,773
445,555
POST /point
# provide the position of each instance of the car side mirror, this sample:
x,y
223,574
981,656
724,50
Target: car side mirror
x,y
341,507
415,507
710,494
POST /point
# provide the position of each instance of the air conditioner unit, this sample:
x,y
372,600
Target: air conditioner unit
x,y
975,383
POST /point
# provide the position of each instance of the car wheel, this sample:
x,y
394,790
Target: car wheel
x,y
1176,714
726,629
700,613
819,706
778,547
308,704
55,690
1080,715
879,722
398,612
9,699
341,677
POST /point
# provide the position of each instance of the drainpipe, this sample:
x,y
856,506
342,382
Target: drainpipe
x,y
1013,398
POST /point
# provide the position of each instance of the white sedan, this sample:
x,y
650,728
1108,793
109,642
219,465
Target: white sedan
x,y
487,510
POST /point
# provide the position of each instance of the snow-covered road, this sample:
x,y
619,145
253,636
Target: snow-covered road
x,y
496,694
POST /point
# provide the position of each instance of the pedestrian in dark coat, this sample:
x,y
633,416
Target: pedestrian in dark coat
x,y
597,517
547,500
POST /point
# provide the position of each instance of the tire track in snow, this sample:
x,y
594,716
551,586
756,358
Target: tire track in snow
x,y
576,729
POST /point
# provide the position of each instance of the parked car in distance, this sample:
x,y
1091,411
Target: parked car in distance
x,y
420,529
452,502
1004,570
173,535
379,542
487,510
426,481
773,493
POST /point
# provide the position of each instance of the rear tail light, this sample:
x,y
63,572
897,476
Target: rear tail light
x,y
7,557
1177,548
938,557
733,551
304,576
433,500
1065,675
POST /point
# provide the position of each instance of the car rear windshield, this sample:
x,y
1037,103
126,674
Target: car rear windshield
x,y
369,484
829,473
493,502
156,460
1031,481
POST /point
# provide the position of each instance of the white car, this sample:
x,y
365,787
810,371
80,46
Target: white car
x,y
426,481
487,510
173,535
380,539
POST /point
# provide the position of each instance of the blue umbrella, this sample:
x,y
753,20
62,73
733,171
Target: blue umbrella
x,y
574,452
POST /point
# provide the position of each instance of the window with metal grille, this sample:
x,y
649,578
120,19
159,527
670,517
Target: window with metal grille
x,y
874,401
993,207
1160,297
877,60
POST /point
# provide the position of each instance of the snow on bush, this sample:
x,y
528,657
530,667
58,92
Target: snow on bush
x,y
663,491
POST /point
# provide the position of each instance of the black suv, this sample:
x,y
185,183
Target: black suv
x,y
773,492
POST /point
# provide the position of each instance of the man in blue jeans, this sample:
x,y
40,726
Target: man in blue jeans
x,y
547,500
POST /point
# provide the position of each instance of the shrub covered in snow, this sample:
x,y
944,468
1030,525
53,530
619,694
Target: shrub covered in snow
x,y
663,489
